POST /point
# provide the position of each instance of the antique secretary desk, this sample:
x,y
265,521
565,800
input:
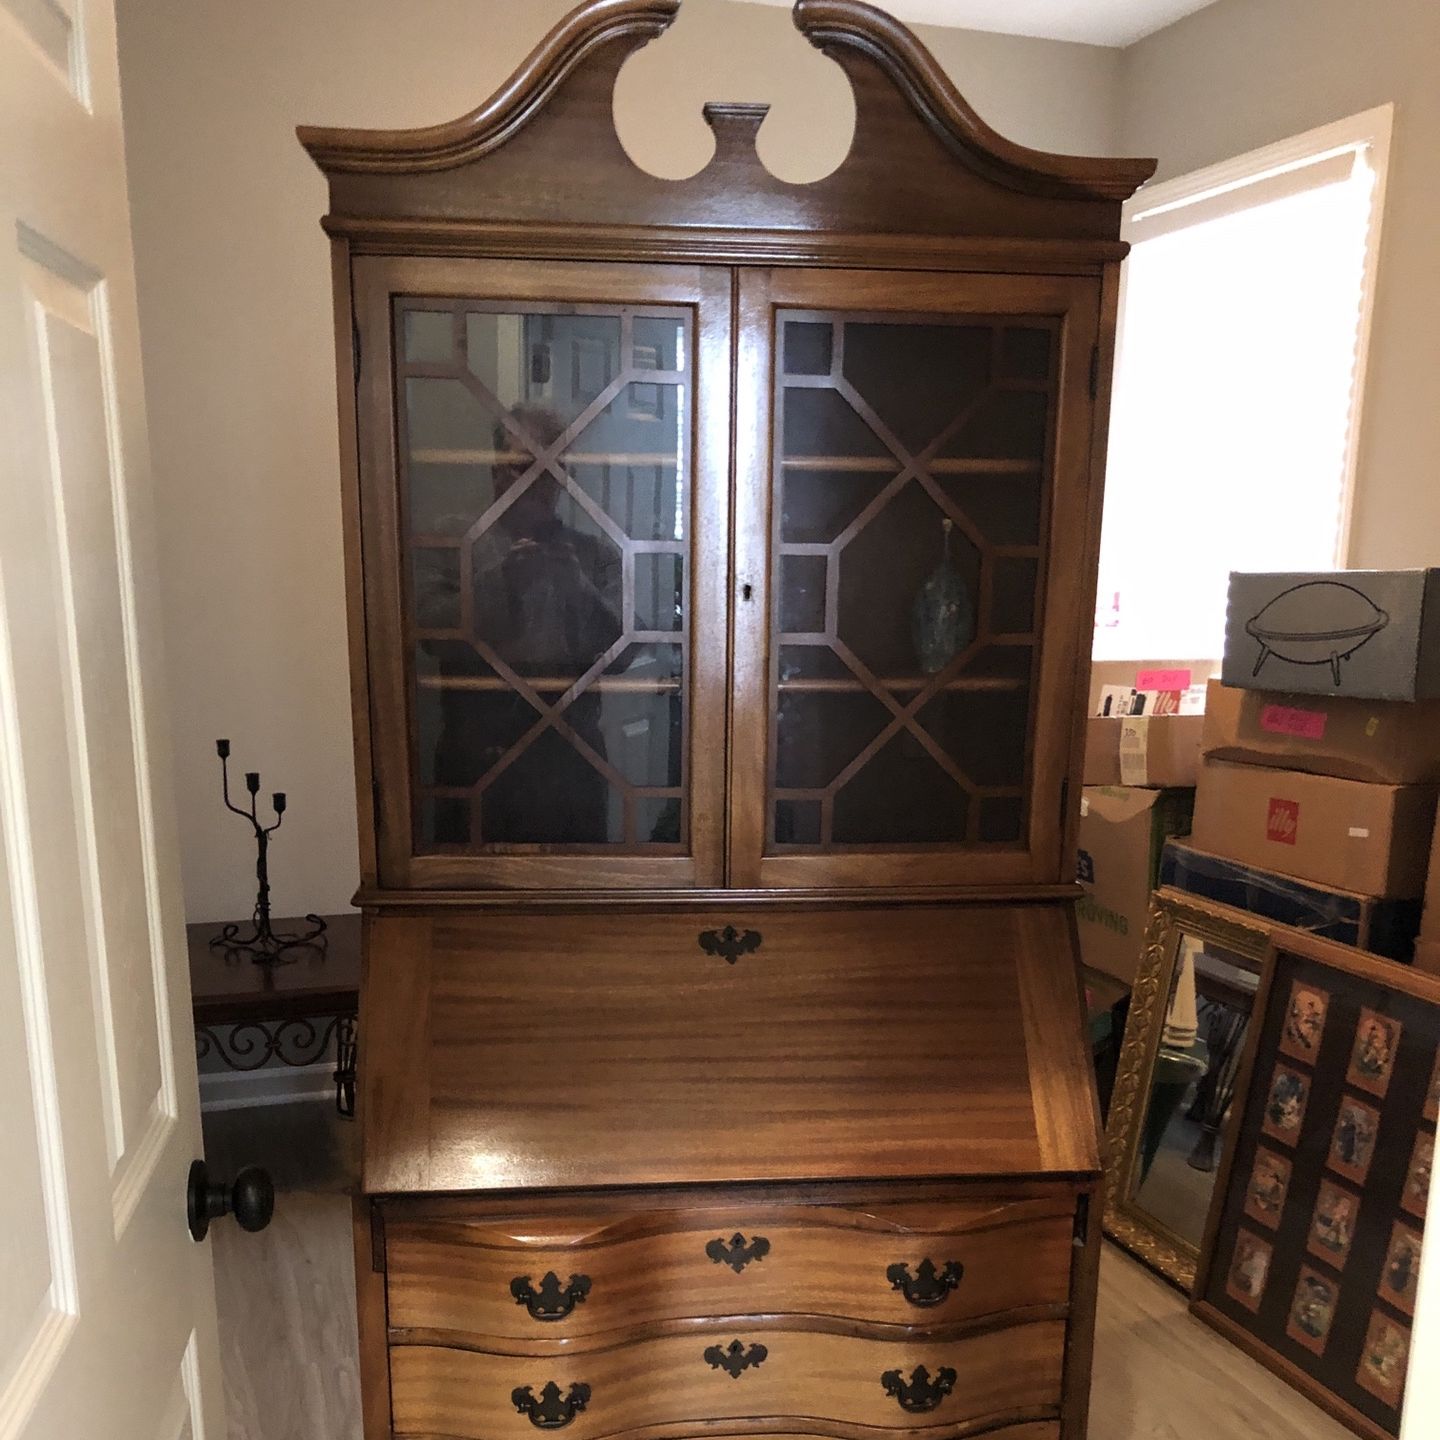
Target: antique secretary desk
x,y
721,561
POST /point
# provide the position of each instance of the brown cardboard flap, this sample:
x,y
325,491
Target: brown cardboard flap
x,y
1122,829
867,1044
1430,917
1427,956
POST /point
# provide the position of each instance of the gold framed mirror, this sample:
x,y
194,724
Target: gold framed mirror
x,y
1189,1017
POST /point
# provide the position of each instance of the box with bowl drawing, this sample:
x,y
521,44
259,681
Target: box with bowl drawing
x,y
1373,634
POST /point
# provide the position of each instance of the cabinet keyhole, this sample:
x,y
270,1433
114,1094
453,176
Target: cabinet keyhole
x,y
747,591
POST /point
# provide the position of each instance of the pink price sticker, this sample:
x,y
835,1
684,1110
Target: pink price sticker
x,y
1163,680
1287,720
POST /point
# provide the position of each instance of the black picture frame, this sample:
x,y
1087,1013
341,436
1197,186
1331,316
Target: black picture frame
x,y
1335,1299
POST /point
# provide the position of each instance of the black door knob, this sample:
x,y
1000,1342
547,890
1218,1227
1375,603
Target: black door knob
x,y
251,1199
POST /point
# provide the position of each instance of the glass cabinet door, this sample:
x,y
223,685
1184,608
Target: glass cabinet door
x,y
547,508
927,459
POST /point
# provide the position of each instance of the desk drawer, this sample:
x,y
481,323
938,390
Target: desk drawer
x,y
902,1265
765,1372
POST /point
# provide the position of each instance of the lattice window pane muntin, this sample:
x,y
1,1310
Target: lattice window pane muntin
x,y
911,471
545,466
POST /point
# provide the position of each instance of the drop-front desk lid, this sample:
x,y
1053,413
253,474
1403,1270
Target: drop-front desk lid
x,y
502,1050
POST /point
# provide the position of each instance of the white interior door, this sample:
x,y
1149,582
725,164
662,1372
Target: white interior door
x,y
107,1310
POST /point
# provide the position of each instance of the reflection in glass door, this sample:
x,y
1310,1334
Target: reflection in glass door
x,y
546,472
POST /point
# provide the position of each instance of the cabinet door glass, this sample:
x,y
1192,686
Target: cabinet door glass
x,y
909,519
545,466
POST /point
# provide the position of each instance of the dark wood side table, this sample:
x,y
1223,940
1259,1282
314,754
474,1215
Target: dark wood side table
x,y
249,1014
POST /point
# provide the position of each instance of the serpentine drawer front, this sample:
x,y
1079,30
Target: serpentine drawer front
x,y
1032,1430
754,1371
902,1265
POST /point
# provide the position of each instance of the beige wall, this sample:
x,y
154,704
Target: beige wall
x,y
1244,73
235,312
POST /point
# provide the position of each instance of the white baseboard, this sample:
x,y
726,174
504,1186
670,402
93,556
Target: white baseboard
x,y
241,1089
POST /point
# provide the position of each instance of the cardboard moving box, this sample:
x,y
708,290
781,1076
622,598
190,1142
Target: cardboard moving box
x,y
1372,839
1427,956
1385,742
1430,920
1156,751
1368,633
1122,830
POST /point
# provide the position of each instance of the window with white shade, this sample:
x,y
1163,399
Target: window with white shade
x,y
1243,331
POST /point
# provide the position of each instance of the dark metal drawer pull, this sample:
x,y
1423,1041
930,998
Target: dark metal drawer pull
x,y
735,1358
927,1286
922,1393
736,1253
550,1301
729,943
551,1411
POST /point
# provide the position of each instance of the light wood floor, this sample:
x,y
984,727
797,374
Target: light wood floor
x,y
287,1323
1162,1375
287,1317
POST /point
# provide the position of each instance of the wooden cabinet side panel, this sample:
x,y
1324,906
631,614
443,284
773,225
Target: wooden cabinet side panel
x,y
370,1307
394,1079
1062,1074
1080,1341
346,371
1087,577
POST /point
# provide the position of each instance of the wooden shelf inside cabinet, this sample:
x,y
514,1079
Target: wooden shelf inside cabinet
x,y
903,684
888,464
434,455
549,684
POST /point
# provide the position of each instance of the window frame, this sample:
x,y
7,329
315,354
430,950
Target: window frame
x,y
1267,169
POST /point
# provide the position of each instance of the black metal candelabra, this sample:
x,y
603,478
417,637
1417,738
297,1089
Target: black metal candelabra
x,y
261,943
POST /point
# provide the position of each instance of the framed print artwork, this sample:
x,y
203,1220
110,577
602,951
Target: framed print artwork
x,y
1313,1309
1285,1101
1333,1227
1304,1022
1352,1146
1417,1176
1249,1270
1312,1248
1376,1040
1269,1185
1382,1361
1401,1274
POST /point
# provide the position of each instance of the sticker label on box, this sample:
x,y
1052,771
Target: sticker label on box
x,y
1163,680
1135,751
1288,720
1282,824
1157,702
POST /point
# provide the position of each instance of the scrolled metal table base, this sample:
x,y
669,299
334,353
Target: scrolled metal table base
x,y
248,1045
